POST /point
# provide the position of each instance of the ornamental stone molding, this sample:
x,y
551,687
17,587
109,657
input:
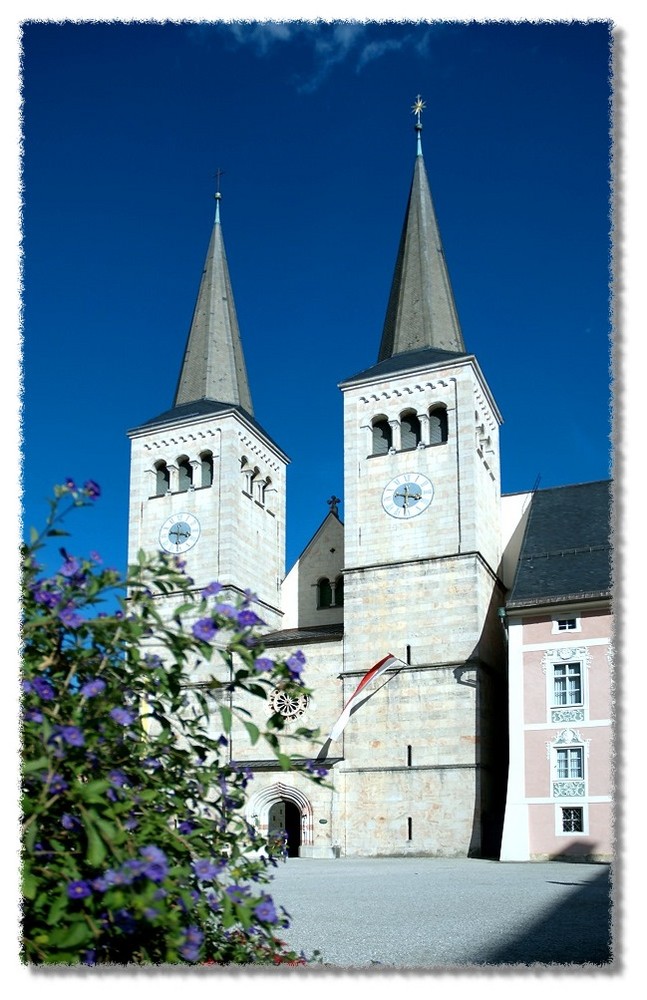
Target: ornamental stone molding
x,y
398,391
179,439
250,445
564,653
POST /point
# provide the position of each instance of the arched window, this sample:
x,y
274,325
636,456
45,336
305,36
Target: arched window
x,y
409,429
324,593
248,475
381,436
185,474
162,479
339,591
206,468
438,425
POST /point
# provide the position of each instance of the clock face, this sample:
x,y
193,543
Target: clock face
x,y
179,533
407,495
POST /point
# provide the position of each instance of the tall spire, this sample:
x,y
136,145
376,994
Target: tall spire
x,y
421,311
214,365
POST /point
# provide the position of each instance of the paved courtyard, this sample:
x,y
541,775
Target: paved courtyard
x,y
438,913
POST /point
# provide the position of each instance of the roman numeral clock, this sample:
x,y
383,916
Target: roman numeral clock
x,y
407,495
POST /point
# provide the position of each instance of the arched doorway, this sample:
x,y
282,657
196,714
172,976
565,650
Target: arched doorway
x,y
282,807
284,818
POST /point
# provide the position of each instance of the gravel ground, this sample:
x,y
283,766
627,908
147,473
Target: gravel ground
x,y
438,913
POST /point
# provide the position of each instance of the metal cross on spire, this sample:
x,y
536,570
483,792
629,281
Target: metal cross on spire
x,y
417,110
332,503
218,174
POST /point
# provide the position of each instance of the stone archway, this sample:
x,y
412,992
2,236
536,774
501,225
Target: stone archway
x,y
296,814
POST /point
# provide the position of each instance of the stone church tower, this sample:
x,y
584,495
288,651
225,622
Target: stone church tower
x,y
204,474
413,571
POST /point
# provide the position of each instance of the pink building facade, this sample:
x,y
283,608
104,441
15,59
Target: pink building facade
x,y
560,781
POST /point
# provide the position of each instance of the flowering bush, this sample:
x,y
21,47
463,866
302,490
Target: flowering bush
x,y
135,848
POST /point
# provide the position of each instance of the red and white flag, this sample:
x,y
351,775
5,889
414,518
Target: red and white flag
x,y
358,696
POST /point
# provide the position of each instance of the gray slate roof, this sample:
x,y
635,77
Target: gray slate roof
x,y
407,361
300,636
566,550
421,311
203,407
214,365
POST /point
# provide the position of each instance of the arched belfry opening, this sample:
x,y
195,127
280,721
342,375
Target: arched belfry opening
x,y
282,809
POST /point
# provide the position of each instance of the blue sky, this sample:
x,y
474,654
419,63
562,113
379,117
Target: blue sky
x,y
124,128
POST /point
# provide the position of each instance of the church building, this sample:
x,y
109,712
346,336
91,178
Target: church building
x,y
488,730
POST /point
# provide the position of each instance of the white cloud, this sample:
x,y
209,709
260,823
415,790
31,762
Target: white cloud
x,y
331,43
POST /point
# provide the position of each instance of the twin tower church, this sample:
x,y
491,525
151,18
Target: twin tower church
x,y
426,566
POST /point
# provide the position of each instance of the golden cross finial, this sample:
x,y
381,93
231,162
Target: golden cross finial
x,y
417,110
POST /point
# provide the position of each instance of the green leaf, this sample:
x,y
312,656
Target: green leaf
x,y
226,716
70,937
284,761
35,765
57,908
96,851
93,791
29,884
254,732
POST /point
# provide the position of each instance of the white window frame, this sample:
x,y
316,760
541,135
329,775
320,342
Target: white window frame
x,y
564,665
566,618
559,819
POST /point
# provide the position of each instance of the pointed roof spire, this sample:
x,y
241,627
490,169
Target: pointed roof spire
x,y
214,365
421,311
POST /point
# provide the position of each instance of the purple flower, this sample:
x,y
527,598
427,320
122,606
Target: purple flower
x,y
212,589
225,610
190,952
43,688
92,488
237,893
69,484
152,660
96,558
186,827
93,687
204,629
152,853
70,617
263,663
73,736
247,618
33,715
70,567
55,784
42,595
117,778
156,871
193,935
295,664
125,920
266,911
122,716
205,869
69,822
78,889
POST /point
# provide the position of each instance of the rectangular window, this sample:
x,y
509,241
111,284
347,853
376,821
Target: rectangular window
x,y
570,762
567,684
572,819
566,625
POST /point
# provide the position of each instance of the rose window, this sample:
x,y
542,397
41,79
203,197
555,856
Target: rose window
x,y
290,706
